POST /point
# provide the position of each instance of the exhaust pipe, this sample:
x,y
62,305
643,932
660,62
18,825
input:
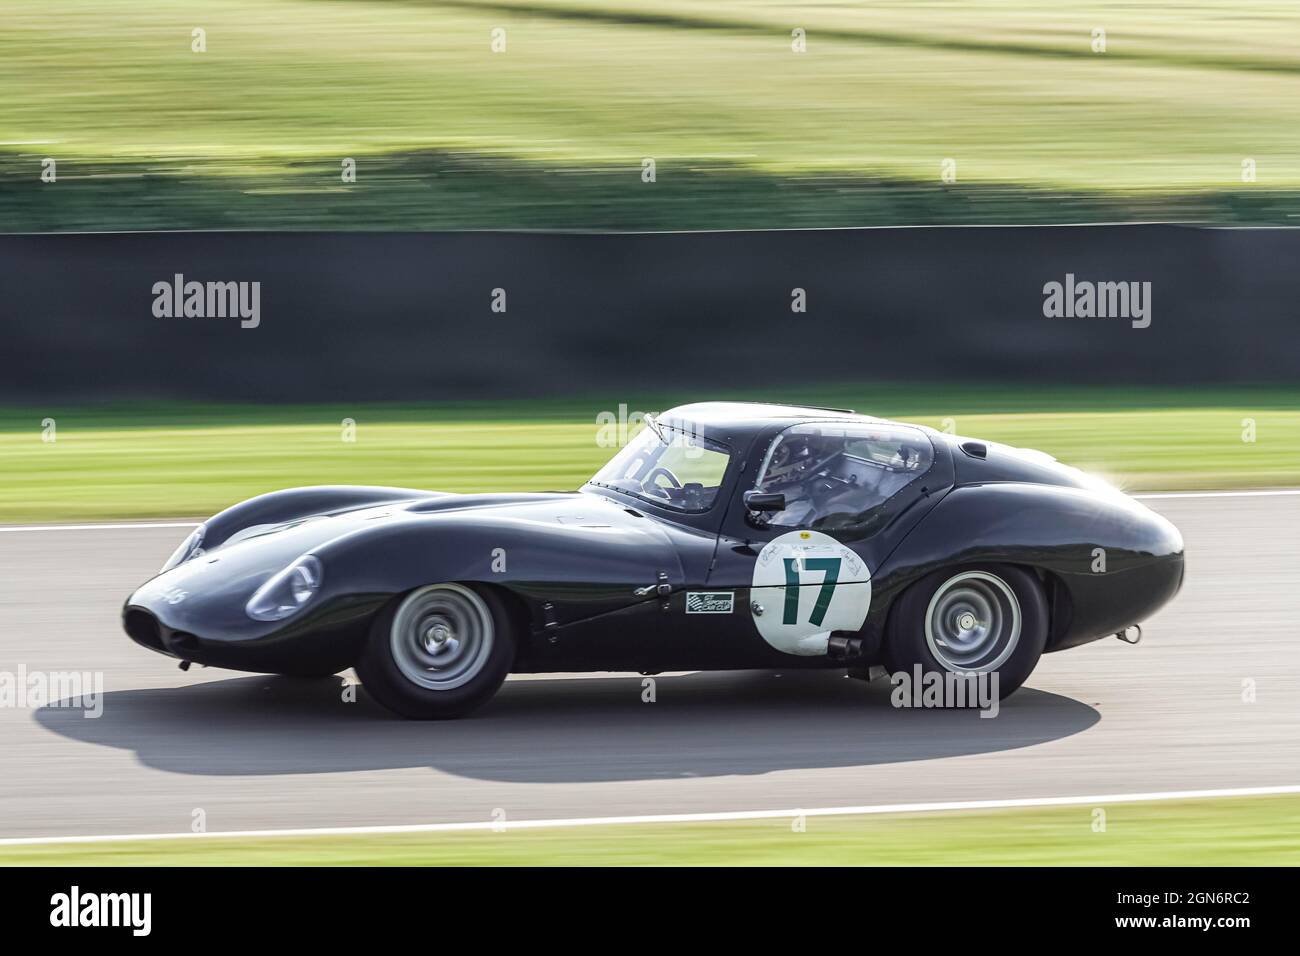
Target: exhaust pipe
x,y
1131,634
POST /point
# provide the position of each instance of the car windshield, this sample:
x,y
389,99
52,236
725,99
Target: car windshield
x,y
670,467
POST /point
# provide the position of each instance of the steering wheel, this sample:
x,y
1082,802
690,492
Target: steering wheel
x,y
648,482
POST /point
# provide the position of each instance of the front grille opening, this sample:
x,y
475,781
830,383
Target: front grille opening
x,y
142,627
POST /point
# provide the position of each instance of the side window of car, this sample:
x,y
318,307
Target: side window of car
x,y
841,476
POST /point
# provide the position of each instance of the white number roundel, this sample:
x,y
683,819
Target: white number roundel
x,y
806,584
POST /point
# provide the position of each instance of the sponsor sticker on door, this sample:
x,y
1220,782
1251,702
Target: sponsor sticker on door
x,y
710,602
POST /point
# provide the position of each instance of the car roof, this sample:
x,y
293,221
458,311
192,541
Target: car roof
x,y
725,421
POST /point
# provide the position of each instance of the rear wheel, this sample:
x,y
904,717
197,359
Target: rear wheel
x,y
990,619
440,652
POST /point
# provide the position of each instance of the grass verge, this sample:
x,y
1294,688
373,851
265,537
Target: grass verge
x,y
141,461
1241,831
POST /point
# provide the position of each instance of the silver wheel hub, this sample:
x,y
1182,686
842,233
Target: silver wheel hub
x,y
973,622
441,636
438,638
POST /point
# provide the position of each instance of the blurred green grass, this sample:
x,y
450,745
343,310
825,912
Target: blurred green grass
x,y
172,460
1242,831
551,133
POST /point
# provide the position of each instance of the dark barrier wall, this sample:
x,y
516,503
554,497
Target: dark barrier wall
x,y
409,316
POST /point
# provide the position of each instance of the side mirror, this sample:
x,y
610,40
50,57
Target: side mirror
x,y
764,501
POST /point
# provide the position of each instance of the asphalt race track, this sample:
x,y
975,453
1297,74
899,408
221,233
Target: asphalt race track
x,y
265,752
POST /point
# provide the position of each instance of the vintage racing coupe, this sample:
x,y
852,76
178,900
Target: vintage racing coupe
x,y
723,535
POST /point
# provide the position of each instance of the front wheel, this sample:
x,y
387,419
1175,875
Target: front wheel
x,y
440,652
990,619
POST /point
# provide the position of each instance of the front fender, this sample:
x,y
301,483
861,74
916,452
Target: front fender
x,y
279,507
562,573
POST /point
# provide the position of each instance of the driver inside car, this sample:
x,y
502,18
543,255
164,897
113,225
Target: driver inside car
x,y
823,478
800,468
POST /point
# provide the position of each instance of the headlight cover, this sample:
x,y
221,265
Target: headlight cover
x,y
287,592
191,547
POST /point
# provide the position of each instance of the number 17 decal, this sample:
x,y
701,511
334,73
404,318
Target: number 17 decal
x,y
831,575
805,586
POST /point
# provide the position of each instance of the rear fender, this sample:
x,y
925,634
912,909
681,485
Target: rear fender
x,y
1115,560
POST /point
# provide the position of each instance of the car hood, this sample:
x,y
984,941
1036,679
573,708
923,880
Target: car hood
x,y
281,542
314,529
390,547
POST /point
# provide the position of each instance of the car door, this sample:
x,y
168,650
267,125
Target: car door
x,y
851,493
624,587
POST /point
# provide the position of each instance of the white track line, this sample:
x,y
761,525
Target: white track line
x,y
1221,494
99,527
674,817
1273,493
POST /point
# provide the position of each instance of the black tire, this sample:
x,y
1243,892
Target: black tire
x,y
399,668
907,642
